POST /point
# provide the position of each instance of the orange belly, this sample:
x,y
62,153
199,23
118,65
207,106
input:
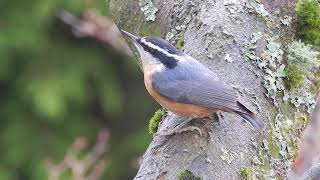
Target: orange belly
x,y
185,110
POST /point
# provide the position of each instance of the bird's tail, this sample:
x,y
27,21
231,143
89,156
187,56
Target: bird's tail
x,y
249,116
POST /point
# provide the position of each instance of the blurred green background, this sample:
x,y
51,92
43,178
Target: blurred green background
x,y
55,87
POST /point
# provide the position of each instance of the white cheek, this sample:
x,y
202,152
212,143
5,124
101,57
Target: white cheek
x,y
160,67
147,58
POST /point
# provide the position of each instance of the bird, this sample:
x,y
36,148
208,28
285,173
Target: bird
x,y
183,85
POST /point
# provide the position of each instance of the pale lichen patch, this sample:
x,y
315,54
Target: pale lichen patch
x,y
257,7
286,20
228,156
303,55
270,62
231,156
228,58
301,96
148,9
185,14
305,58
233,5
279,148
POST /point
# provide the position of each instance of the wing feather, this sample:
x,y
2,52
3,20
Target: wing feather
x,y
192,83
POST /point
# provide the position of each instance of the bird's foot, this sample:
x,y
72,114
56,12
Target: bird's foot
x,y
217,116
190,128
180,129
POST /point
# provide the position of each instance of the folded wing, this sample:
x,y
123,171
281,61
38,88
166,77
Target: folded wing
x,y
192,83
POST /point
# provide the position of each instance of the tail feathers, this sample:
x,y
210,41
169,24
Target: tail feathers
x,y
252,120
250,117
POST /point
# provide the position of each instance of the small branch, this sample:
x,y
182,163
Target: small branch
x,y
90,167
94,25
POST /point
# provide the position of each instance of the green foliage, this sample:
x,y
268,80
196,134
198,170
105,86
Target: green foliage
x,y
245,173
293,77
185,174
55,87
308,17
154,121
136,143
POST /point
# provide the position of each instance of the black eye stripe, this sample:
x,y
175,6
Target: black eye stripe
x,y
169,62
163,44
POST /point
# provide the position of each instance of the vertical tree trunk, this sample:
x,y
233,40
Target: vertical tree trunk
x,y
233,38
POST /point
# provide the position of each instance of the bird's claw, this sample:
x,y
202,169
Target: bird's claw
x,y
180,130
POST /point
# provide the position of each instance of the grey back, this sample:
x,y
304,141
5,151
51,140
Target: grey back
x,y
190,82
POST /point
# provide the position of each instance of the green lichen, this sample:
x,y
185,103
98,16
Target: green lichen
x,y
270,62
308,19
272,144
302,97
302,55
154,121
148,9
256,6
245,173
281,69
293,77
179,41
185,174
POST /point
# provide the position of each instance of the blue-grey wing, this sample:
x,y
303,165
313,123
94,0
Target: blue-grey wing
x,y
192,83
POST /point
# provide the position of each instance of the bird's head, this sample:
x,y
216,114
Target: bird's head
x,y
156,51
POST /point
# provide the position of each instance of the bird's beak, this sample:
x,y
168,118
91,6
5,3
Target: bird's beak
x,y
131,36
135,41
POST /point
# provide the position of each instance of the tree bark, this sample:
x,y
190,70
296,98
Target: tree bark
x,y
218,33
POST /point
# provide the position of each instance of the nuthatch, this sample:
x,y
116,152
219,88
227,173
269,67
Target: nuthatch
x,y
183,85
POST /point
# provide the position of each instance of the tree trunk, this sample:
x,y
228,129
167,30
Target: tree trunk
x,y
232,38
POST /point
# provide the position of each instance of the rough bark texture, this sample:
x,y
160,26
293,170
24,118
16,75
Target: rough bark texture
x,y
213,32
